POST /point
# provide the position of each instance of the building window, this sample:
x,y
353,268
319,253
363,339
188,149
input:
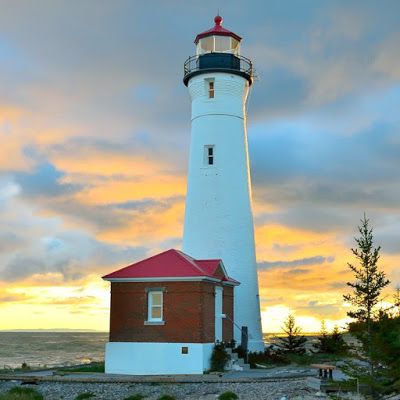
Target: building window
x,y
155,306
211,89
209,155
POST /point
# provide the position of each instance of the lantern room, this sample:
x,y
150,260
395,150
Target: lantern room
x,y
217,40
218,50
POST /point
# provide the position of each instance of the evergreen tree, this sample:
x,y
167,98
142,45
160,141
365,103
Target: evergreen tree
x,y
366,291
369,280
294,342
332,343
322,346
337,343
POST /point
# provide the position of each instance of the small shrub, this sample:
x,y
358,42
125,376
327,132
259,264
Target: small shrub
x,y
166,397
135,397
268,357
22,393
86,395
228,396
219,357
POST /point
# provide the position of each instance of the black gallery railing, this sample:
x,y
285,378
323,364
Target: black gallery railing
x,y
222,61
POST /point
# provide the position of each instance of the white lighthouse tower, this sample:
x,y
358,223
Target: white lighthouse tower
x,y
218,214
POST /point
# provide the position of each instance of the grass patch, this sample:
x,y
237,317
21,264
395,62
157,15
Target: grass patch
x,y
135,397
85,395
21,393
228,396
273,359
317,358
90,368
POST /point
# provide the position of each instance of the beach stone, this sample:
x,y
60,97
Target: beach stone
x,y
289,389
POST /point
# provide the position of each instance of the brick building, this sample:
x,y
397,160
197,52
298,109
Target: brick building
x,y
167,311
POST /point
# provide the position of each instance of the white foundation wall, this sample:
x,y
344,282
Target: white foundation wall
x,y
138,358
218,213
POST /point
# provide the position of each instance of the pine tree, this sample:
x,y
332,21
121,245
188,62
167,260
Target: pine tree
x,y
369,280
322,346
294,342
337,343
366,290
331,343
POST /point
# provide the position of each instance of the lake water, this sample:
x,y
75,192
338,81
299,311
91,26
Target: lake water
x,y
50,349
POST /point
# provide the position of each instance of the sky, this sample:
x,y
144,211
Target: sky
x,y
95,134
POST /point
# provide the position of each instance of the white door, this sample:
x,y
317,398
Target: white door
x,y
218,313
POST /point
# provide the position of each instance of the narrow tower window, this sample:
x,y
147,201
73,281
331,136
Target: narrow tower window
x,y
209,155
211,90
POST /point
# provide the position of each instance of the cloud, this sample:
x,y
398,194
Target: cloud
x,y
266,265
14,298
45,181
95,132
73,255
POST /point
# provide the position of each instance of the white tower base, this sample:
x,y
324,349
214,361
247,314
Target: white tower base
x,y
139,358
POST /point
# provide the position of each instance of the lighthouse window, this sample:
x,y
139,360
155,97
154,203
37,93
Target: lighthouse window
x,y
155,306
209,155
222,43
211,90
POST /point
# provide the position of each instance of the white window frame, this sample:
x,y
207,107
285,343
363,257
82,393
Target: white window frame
x,y
150,306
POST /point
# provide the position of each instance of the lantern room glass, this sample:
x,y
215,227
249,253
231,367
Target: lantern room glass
x,y
218,44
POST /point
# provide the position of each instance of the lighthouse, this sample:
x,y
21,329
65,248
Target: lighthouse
x,y
218,213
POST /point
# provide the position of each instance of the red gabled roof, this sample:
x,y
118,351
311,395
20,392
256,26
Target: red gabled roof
x,y
172,264
217,30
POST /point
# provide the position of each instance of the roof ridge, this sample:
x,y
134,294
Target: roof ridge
x,y
191,260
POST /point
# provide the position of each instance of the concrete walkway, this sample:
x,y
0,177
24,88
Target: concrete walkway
x,y
271,374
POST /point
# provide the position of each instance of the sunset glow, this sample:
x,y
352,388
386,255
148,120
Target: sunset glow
x,y
95,131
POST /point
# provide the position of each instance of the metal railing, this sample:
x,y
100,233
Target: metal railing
x,y
243,64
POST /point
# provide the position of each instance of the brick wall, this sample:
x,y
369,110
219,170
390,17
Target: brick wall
x,y
188,312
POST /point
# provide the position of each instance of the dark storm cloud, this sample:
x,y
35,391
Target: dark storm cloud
x,y
266,265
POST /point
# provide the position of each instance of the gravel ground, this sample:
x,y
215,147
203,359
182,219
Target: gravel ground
x,y
290,390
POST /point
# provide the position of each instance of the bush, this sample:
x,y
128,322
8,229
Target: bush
x,y
86,395
135,397
20,393
228,396
166,397
269,357
219,357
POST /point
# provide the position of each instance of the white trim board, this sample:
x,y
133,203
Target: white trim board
x,y
173,279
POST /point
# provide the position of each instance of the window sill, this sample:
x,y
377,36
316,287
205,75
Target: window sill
x,y
154,322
